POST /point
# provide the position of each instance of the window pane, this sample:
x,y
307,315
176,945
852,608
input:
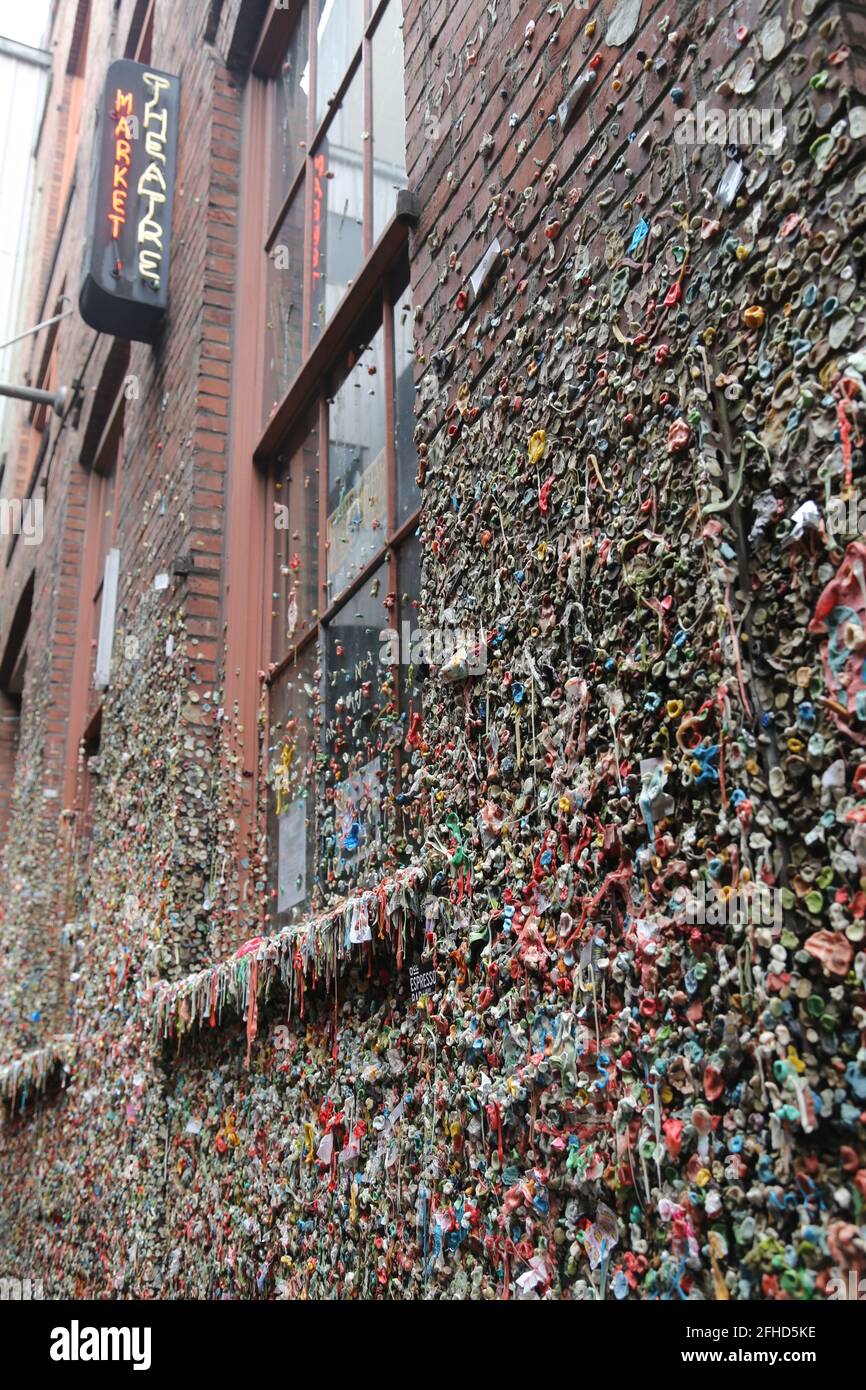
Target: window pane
x,y
389,117
359,737
411,646
341,23
296,540
291,815
412,674
357,481
408,492
285,305
291,94
338,207
105,490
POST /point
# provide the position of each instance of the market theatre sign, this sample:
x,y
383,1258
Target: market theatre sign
x,y
126,265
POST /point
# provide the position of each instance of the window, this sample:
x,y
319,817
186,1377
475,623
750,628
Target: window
x,y
389,116
292,808
101,455
343,696
344,702
101,527
296,527
77,57
139,44
408,492
338,206
357,480
357,775
338,34
291,98
337,163
76,67
285,304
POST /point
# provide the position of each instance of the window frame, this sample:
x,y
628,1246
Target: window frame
x,y
378,292
104,474
396,533
273,44
104,485
139,41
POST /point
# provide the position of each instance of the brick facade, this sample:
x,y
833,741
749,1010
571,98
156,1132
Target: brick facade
x,y
598,443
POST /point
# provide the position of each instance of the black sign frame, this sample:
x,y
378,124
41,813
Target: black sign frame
x,y
125,289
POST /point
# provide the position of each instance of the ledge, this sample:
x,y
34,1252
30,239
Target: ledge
x,y
304,951
33,1069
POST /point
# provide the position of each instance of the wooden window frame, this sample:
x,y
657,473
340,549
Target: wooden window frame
x,y
369,302
140,40
251,494
85,699
277,33
76,59
369,296
395,533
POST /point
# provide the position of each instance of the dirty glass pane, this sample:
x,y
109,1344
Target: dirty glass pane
x,y
409,822
359,734
338,206
357,478
389,117
285,305
296,539
412,646
408,492
291,98
338,33
104,492
291,822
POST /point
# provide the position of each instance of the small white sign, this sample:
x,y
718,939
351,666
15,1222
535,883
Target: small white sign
x,y
485,267
292,856
107,613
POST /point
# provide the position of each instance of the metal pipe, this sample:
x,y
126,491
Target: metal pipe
x,y
57,400
46,323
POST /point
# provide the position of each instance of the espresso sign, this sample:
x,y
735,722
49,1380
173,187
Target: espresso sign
x,y
421,982
125,289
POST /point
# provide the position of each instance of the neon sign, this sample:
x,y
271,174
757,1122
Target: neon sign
x,y
319,171
127,259
152,185
123,135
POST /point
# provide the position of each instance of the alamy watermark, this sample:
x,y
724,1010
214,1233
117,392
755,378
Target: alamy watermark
x,y
850,1287
742,126
754,904
21,1290
23,519
846,516
457,652
77,1343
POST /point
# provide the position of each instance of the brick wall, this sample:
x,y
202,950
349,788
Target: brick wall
x,y
170,498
